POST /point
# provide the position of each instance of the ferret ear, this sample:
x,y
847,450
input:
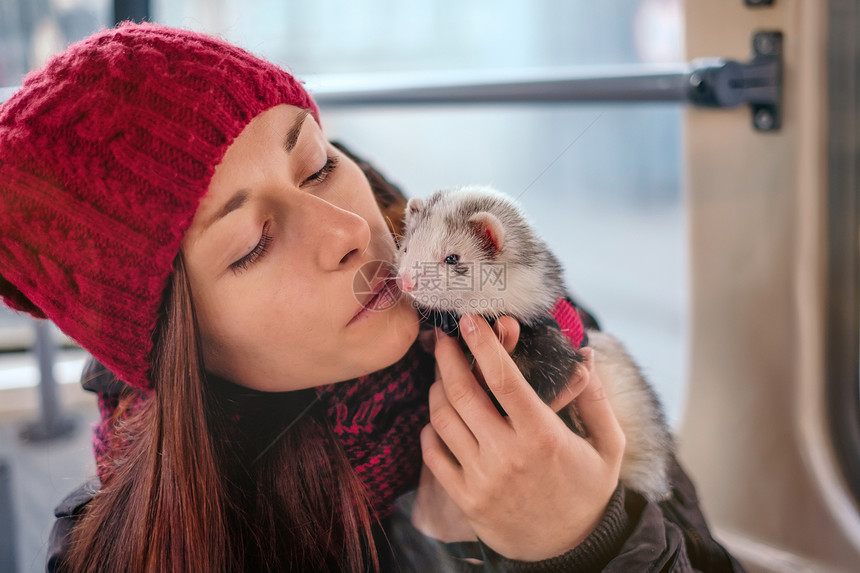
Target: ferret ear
x,y
489,231
414,205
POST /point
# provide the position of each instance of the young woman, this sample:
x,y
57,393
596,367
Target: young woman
x,y
171,203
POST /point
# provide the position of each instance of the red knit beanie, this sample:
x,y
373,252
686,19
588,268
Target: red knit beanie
x,y
104,156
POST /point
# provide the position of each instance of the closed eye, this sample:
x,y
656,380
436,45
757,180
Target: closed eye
x,y
322,174
257,252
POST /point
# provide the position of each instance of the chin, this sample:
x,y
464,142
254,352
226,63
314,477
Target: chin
x,y
400,334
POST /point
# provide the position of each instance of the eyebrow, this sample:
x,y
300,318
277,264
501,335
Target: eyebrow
x,y
292,136
235,202
241,196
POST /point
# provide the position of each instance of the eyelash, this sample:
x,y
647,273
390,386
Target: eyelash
x,y
322,174
255,254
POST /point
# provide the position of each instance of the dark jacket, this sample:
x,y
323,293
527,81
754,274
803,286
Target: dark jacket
x,y
633,536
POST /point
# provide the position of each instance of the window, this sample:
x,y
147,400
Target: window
x,y
601,182
31,31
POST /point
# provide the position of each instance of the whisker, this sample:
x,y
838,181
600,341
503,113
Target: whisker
x,y
398,238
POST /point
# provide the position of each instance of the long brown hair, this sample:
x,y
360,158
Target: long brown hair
x,y
182,496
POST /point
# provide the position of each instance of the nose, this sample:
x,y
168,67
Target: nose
x,y
405,282
343,236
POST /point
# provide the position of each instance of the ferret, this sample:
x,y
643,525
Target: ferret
x,y
471,250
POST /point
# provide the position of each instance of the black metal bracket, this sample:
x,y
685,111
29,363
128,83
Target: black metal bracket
x,y
715,82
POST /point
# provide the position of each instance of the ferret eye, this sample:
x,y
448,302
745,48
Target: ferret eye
x,y
452,259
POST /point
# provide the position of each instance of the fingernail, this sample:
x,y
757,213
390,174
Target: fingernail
x,y
469,324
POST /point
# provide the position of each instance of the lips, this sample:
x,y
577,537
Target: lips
x,y
377,286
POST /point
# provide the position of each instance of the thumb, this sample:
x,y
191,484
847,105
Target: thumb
x,y
596,413
507,329
577,382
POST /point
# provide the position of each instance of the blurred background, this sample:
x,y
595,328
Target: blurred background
x,y
697,241
601,182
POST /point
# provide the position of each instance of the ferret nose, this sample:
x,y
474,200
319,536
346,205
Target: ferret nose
x,y
405,282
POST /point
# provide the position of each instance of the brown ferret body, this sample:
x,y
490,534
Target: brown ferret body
x,y
471,250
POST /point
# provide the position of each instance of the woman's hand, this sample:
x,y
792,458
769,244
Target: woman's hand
x,y
528,486
434,513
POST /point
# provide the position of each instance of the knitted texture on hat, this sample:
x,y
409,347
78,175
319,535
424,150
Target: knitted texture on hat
x,y
104,156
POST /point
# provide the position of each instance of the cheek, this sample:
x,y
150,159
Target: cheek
x,y
223,319
251,314
255,335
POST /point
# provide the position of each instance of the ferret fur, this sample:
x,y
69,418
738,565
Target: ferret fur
x,y
480,225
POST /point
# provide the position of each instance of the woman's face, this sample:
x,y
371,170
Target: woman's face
x,y
272,256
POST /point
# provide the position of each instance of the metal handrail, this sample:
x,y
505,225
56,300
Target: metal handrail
x,y
707,82
630,84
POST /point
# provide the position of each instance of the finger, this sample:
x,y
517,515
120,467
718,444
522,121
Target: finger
x,y
450,427
441,462
502,376
508,330
596,413
576,383
437,333
463,391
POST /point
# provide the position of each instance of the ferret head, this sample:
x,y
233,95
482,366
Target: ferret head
x,y
463,250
